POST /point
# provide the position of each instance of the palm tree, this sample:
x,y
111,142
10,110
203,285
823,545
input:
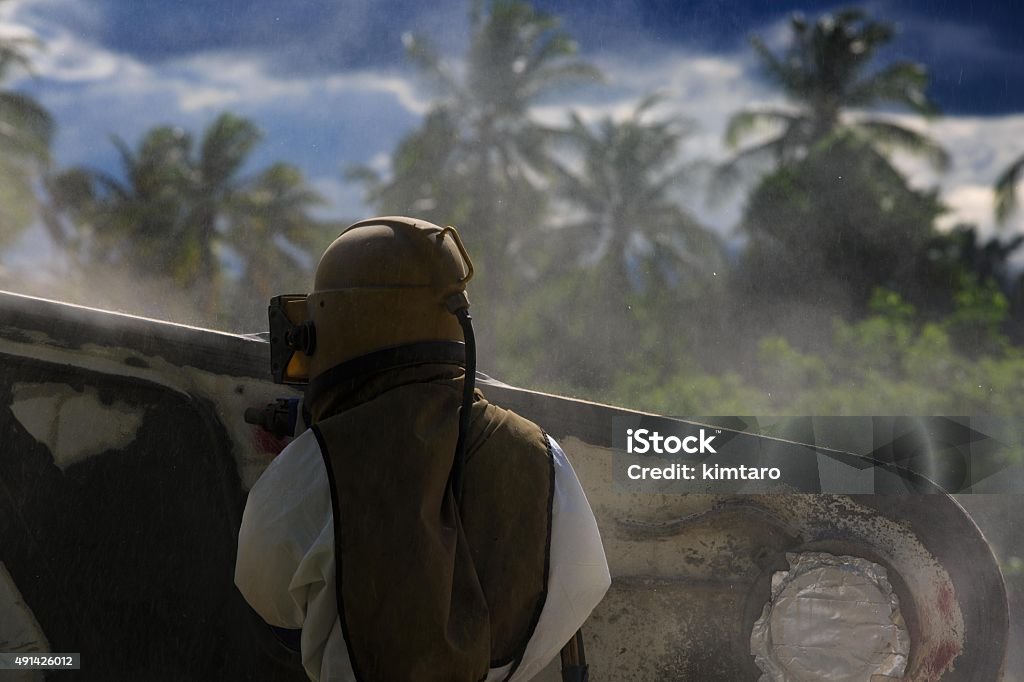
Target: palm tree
x,y
26,130
630,262
215,183
176,204
484,148
138,221
826,71
424,181
1006,189
635,227
271,228
164,216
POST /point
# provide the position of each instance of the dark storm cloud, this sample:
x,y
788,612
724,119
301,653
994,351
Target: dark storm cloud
x,y
975,51
976,61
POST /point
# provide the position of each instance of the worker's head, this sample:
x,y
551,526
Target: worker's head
x,y
383,283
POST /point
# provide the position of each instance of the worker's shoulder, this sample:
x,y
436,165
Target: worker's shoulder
x,y
493,422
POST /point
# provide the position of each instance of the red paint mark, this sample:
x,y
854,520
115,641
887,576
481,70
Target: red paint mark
x,y
268,443
940,659
945,601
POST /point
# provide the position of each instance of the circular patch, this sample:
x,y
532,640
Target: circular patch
x,y
832,618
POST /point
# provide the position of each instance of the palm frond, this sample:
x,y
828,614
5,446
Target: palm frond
x,y
560,74
727,176
1006,189
426,58
361,174
551,50
901,83
775,68
892,135
745,122
125,153
577,190
25,126
226,145
13,53
72,189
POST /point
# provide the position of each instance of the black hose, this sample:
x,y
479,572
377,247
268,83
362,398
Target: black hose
x,y
468,386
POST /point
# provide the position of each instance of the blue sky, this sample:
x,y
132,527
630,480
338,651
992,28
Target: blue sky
x,y
329,84
974,50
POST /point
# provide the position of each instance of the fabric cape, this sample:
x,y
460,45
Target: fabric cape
x,y
428,589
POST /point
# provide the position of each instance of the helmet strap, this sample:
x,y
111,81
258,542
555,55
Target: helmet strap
x,y
349,374
468,387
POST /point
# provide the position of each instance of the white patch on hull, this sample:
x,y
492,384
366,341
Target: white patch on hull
x,y
74,425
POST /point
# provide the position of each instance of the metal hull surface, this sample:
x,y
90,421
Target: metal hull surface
x,y
124,467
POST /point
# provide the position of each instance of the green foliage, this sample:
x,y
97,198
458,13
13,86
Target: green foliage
x,y
836,219
585,329
426,180
889,306
980,311
693,394
16,206
833,226
887,363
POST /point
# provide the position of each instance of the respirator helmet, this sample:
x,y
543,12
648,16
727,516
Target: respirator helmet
x,y
388,292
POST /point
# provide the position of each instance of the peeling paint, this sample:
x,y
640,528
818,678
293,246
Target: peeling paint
x,y
74,425
251,458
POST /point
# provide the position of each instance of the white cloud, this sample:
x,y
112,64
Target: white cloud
x,y
708,90
401,88
215,81
72,61
980,149
969,203
381,163
19,18
11,31
341,199
207,97
202,81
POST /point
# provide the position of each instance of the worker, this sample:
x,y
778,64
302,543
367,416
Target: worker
x,y
415,531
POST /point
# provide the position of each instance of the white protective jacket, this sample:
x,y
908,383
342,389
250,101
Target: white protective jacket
x,y
286,571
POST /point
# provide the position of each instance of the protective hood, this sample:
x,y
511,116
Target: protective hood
x,y
429,589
